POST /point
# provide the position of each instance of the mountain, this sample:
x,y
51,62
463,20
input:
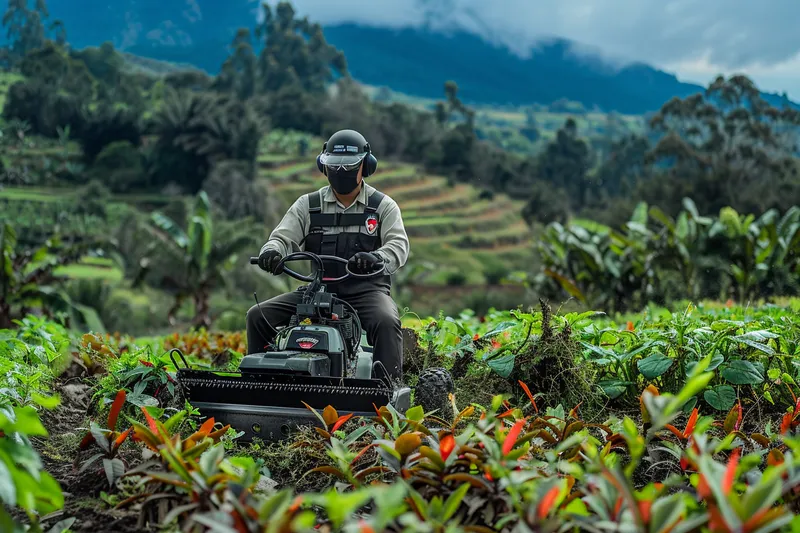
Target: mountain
x,y
416,61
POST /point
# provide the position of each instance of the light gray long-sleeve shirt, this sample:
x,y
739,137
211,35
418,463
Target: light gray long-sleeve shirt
x,y
291,230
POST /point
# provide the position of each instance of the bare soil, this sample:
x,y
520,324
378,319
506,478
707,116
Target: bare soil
x,y
82,490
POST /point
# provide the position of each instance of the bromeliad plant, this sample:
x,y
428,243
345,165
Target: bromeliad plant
x,y
109,440
182,481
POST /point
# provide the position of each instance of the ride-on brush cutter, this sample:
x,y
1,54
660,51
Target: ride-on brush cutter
x,y
320,359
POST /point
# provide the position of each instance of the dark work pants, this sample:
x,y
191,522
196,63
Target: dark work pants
x,y
376,310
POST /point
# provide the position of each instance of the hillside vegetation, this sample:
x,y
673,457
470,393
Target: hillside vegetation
x,y
120,160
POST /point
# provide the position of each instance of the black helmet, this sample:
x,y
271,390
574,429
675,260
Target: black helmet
x,y
347,149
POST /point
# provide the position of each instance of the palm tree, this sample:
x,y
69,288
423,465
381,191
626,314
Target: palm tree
x,y
196,260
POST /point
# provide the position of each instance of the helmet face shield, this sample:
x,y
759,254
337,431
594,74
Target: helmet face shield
x,y
337,162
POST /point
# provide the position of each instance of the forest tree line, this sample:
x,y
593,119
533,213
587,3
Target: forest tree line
x,y
726,147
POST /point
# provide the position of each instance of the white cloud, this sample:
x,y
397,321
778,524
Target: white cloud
x,y
696,39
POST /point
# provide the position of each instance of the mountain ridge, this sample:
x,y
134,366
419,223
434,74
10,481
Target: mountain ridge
x,y
415,61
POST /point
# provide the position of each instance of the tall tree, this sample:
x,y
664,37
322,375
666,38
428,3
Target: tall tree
x,y
25,30
730,146
295,52
565,163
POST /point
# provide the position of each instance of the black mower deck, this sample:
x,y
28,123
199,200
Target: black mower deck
x,y
270,406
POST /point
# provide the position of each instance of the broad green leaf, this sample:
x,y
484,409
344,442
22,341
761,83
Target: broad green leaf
x,y
721,398
614,388
741,372
502,365
655,365
416,413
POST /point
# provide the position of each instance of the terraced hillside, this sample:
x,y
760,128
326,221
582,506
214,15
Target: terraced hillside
x,y
450,226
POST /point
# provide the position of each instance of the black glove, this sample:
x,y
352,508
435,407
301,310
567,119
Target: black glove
x,y
268,260
364,263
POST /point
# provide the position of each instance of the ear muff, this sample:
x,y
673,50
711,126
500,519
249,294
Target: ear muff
x,y
370,162
320,166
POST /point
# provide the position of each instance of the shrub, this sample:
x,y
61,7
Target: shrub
x,y
120,167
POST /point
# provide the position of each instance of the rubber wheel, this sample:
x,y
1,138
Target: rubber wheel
x,y
432,392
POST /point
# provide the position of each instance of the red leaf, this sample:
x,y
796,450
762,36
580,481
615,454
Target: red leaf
x,y
730,471
116,407
702,487
121,438
206,428
530,396
644,510
446,446
511,438
738,418
691,423
786,423
150,422
86,441
716,522
342,419
546,503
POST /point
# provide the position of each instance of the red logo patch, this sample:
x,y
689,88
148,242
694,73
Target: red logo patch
x,y
307,343
371,224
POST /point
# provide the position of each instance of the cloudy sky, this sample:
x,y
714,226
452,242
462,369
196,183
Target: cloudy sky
x,y
695,39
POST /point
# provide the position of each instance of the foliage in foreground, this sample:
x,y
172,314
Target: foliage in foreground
x,y
520,462
503,468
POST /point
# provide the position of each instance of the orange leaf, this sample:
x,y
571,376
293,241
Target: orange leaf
x,y
330,415
644,510
543,509
702,487
775,457
150,422
511,438
674,430
691,423
342,419
446,446
730,471
119,440
406,444
115,409
206,428
219,433
530,396
716,521
734,419
786,423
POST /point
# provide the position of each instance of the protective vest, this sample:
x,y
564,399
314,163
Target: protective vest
x,y
345,244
